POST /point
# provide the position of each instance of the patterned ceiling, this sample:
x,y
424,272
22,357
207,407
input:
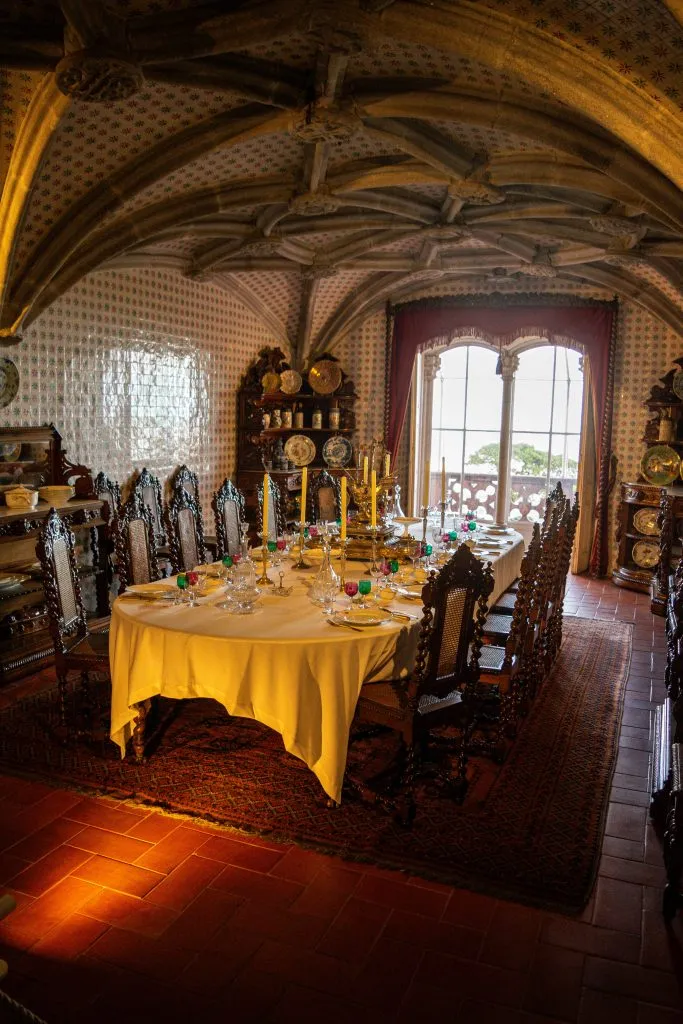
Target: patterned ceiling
x,y
334,191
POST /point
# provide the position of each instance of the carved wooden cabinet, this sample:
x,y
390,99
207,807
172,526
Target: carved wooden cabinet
x,y
34,457
637,528
261,436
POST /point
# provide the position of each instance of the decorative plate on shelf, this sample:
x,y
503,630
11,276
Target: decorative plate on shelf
x,y
9,381
645,521
677,384
299,449
645,553
270,382
290,382
337,451
660,465
325,377
10,452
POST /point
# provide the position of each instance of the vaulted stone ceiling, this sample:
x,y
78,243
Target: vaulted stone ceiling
x,y
317,159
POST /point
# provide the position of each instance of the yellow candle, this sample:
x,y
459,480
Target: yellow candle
x,y
342,531
387,464
425,486
365,469
443,479
373,499
264,515
304,485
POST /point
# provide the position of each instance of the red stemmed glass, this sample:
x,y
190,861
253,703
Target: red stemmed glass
x,y
351,589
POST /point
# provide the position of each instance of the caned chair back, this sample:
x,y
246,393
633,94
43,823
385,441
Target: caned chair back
x,y
135,546
276,516
184,477
55,550
450,634
148,488
324,498
228,510
109,492
186,536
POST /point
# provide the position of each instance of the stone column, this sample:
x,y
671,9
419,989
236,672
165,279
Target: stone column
x,y
431,364
509,365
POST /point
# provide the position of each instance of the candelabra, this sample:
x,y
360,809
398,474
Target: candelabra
x,y
263,580
442,510
342,563
301,562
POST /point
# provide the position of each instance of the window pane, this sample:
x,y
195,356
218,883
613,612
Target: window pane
x,y
530,454
564,460
533,400
448,443
481,473
536,363
484,393
568,404
454,362
448,402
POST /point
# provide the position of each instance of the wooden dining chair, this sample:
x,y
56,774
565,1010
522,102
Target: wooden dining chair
x,y
108,492
148,488
185,479
135,544
276,514
186,536
324,498
555,611
440,690
228,509
76,648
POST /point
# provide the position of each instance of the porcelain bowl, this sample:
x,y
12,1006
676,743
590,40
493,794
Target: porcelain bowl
x,y
21,498
56,494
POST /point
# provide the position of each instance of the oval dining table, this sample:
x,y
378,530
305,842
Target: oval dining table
x,y
285,666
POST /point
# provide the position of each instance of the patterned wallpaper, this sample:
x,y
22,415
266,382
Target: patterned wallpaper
x,y
139,368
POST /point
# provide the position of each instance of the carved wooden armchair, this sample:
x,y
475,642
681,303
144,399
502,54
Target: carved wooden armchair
x,y
148,488
76,648
553,625
185,479
441,690
135,546
186,536
276,514
228,510
325,502
109,492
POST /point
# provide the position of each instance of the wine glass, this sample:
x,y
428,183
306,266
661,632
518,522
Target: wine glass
x,y
364,589
193,588
416,554
350,589
181,581
328,595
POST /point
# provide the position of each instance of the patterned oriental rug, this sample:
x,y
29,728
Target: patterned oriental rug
x,y
530,830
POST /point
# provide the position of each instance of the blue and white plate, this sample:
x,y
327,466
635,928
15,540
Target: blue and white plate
x,y
337,451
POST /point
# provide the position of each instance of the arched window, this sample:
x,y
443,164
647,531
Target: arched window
x,y
459,418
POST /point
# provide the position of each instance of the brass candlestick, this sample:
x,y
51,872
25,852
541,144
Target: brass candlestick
x,y
374,568
342,564
442,508
263,580
301,562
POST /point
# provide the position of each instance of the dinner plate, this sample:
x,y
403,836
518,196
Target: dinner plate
x,y
337,451
660,465
9,580
325,377
645,521
300,449
645,553
363,617
290,382
152,593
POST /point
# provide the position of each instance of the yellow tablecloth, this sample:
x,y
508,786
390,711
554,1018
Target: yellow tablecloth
x,y
284,666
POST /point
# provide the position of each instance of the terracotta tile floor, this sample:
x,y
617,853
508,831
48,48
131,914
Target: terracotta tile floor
x,y
127,914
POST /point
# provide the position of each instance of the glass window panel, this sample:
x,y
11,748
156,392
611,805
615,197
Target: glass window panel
x,y
454,362
536,363
530,454
448,403
564,458
482,361
484,401
533,401
568,406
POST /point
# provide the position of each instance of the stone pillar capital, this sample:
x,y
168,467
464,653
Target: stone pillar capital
x,y
509,364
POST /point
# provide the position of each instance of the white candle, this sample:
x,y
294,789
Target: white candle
x,y
425,485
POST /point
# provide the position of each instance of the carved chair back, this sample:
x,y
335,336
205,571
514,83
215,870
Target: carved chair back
x,y
228,510
516,643
554,499
325,502
135,546
186,535
450,634
666,522
185,478
55,550
276,515
109,492
148,488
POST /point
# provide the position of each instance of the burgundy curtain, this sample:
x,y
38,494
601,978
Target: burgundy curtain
x,y
591,325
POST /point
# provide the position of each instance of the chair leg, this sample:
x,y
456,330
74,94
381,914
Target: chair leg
x,y
61,686
139,731
86,704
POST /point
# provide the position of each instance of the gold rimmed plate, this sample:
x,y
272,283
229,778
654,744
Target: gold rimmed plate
x,y
300,449
290,382
660,465
270,382
645,553
325,377
645,521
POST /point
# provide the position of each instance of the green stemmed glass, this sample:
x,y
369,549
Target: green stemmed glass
x,y
364,589
182,587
